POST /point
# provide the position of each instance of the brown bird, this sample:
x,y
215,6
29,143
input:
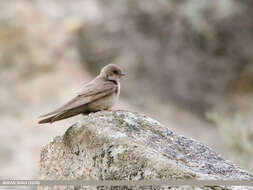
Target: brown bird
x,y
99,94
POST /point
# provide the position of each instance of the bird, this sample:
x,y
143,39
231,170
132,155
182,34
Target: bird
x,y
99,94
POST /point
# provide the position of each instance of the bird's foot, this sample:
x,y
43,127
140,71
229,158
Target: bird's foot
x,y
111,110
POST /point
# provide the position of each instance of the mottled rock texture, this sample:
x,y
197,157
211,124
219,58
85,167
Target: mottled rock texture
x,y
122,145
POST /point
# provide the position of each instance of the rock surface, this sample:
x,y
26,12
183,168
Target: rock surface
x,y
123,145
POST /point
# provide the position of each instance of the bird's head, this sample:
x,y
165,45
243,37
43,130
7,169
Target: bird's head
x,y
111,72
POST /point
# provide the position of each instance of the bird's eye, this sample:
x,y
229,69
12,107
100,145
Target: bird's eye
x,y
115,72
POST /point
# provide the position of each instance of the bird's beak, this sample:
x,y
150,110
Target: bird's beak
x,y
122,74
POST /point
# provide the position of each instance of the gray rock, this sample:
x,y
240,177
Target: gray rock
x,y
123,145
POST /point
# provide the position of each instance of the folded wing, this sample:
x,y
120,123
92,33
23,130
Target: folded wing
x,y
90,93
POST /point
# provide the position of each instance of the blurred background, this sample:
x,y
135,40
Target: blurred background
x,y
189,63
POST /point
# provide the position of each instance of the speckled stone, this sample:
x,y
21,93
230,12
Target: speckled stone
x,y
123,145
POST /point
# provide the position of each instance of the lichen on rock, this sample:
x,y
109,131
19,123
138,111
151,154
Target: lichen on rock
x,y
122,145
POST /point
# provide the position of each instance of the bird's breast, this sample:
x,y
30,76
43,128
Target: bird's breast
x,y
105,102
118,89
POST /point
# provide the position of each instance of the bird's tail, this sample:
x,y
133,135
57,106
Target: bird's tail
x,y
46,120
62,115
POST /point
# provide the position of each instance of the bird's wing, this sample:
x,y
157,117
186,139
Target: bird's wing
x,y
90,93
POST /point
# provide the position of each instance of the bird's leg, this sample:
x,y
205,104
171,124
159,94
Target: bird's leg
x,y
111,109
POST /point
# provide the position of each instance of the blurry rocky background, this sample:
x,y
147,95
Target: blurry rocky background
x,y
189,64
